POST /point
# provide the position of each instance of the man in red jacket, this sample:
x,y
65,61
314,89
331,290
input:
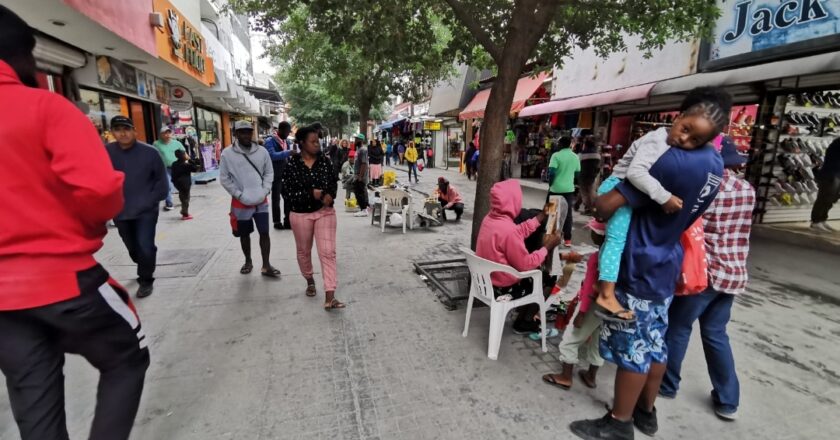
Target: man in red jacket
x,y
59,189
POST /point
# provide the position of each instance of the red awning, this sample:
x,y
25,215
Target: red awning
x,y
589,101
525,88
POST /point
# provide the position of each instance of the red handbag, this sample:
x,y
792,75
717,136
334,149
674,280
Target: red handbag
x,y
694,278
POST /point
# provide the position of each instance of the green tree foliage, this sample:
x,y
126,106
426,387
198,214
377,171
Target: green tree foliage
x,y
544,32
367,50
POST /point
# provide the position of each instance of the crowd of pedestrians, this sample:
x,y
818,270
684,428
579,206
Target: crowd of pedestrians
x,y
56,299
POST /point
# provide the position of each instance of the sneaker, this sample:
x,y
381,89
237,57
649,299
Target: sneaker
x,y
145,290
605,428
168,208
186,217
567,243
361,214
278,226
828,228
645,421
726,414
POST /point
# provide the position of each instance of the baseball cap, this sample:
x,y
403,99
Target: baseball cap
x,y
352,153
121,121
164,129
360,136
243,125
730,155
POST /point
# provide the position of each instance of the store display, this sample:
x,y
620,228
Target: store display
x,y
807,123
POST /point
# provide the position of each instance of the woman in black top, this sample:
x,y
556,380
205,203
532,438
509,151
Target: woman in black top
x,y
310,185
375,157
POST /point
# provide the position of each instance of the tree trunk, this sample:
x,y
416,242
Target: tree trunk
x,y
491,141
364,115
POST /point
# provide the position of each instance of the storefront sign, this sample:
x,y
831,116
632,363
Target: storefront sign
x,y
116,75
180,99
751,31
432,125
182,44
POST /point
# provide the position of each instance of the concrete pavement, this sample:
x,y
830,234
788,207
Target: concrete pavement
x,y
245,357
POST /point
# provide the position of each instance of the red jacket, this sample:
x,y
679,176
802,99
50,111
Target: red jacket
x,y
57,191
503,241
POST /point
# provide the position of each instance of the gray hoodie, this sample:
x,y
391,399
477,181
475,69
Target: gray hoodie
x,y
240,179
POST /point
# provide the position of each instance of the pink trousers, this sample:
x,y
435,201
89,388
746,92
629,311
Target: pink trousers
x,y
321,226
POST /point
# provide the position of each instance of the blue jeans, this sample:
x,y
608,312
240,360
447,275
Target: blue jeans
x,y
169,201
712,309
138,234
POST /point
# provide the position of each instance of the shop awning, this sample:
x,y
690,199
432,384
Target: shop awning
x,y
389,124
525,88
589,101
812,65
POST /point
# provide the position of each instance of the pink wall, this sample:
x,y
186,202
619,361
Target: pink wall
x,y
127,18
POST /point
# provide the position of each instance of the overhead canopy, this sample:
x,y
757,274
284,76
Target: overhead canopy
x,y
525,88
589,101
816,64
389,124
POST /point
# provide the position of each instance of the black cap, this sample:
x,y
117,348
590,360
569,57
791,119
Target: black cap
x,y
121,120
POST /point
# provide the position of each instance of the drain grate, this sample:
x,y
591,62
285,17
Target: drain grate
x,y
450,277
171,263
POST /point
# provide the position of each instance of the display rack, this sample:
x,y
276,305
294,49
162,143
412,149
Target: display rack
x,y
794,145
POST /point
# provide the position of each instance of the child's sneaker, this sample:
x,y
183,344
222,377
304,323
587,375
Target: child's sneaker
x,y
186,217
567,243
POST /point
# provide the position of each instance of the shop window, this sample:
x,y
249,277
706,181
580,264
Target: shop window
x,y
101,107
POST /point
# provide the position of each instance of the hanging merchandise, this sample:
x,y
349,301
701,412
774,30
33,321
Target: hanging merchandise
x,y
802,127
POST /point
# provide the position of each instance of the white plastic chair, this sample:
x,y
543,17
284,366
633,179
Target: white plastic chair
x,y
481,288
399,201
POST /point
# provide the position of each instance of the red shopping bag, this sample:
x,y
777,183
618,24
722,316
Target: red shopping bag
x,y
694,277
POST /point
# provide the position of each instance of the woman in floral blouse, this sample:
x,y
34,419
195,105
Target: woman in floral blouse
x,y
310,186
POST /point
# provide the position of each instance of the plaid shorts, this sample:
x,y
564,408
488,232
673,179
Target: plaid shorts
x,y
632,347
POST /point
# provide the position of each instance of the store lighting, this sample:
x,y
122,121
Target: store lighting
x,y
58,23
109,48
135,61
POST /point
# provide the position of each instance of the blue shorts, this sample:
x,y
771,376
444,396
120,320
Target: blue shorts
x,y
632,347
246,218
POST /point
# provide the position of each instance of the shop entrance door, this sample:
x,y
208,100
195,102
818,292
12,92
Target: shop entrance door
x,y
140,113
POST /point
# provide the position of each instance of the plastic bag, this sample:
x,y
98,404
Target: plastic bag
x,y
396,219
694,278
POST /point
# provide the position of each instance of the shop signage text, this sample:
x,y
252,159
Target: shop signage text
x,y
181,44
432,125
187,42
751,31
765,19
180,99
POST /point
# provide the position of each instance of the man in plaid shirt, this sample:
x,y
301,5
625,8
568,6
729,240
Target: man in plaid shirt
x,y
727,225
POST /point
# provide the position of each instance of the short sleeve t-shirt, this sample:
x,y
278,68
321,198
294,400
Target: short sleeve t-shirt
x,y
653,255
566,164
167,150
361,158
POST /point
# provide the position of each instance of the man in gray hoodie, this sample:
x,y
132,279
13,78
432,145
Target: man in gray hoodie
x,y
246,172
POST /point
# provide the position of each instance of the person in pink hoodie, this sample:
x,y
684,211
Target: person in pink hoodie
x,y
501,240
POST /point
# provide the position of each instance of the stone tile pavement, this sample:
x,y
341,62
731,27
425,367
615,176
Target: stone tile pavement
x,y
245,357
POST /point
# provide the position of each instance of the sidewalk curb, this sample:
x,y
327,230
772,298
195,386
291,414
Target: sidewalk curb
x,y
795,238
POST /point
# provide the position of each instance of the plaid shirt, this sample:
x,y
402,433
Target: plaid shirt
x,y
727,225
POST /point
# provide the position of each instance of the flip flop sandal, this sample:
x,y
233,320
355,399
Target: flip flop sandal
x,y
615,316
334,304
549,379
585,380
271,273
310,290
246,268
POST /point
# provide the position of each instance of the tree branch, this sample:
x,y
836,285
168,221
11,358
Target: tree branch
x,y
476,30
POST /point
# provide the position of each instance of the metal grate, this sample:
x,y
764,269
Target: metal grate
x,y
451,278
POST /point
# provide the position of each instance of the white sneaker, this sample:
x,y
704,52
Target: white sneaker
x,y
361,214
828,228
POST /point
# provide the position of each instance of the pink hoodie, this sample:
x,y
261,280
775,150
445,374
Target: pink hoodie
x,y
503,241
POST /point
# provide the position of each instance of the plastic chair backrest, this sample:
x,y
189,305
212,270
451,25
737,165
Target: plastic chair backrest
x,y
395,199
480,270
